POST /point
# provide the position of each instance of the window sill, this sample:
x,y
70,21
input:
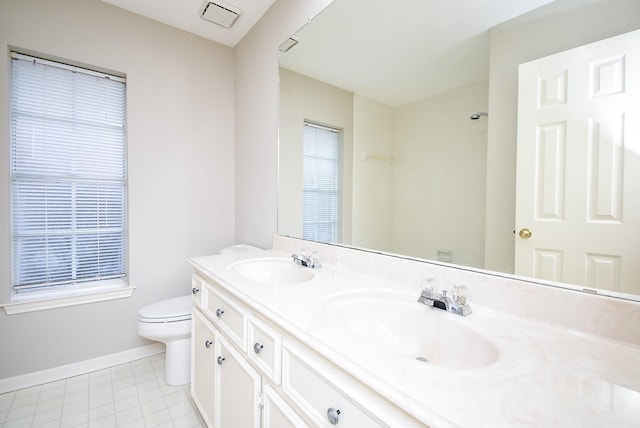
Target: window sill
x,y
59,299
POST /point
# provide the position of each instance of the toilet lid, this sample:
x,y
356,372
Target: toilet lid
x,y
176,309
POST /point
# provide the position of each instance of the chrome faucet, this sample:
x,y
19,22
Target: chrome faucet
x,y
440,300
311,261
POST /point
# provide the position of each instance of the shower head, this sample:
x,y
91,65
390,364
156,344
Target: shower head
x,y
477,116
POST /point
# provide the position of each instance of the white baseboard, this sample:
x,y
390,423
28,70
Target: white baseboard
x,y
57,373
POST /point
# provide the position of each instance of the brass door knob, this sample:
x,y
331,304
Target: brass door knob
x,y
525,233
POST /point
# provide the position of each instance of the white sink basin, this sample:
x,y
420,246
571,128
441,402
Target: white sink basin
x,y
414,331
272,271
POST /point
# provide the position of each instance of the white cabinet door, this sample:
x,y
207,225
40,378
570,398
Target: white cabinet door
x,y
237,389
203,337
276,413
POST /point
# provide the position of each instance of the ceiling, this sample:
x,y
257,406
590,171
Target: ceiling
x,y
449,40
185,15
400,51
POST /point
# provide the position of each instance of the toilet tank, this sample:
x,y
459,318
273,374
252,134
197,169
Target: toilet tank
x,y
240,248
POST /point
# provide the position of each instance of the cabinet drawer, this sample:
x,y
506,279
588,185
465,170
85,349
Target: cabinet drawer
x,y
265,348
197,286
318,398
226,315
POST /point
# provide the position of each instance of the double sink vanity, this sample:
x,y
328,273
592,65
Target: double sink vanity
x,y
347,343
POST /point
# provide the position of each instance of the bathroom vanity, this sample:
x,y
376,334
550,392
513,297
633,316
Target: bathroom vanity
x,y
244,364
275,344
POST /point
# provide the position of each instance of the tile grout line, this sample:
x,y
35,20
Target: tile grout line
x,y
120,404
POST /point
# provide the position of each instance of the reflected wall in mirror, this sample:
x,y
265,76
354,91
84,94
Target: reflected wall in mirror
x,y
419,177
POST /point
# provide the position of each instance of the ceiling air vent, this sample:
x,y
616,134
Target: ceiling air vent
x,y
220,13
288,44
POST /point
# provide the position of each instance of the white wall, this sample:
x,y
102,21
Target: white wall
x,y
256,74
551,29
303,98
180,98
412,205
373,183
439,176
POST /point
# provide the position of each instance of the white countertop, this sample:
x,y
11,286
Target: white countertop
x,y
544,376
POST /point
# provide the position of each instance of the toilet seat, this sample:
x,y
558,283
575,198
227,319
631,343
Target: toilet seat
x,y
170,310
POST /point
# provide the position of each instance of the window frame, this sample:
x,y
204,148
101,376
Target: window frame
x,y
337,221
74,292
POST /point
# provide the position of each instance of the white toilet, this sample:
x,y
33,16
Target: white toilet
x,y
169,321
240,248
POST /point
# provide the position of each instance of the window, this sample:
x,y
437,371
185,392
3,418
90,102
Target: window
x,y
321,183
68,176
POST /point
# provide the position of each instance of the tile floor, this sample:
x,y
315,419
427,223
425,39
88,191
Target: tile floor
x,y
129,395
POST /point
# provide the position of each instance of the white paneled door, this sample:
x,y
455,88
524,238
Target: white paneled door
x,y
578,167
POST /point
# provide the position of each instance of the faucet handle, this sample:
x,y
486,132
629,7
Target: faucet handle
x,y
426,284
460,294
314,258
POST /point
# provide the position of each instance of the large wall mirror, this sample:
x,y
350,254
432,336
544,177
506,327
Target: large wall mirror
x,y
420,99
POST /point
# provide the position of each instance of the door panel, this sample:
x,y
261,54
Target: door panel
x,y
578,166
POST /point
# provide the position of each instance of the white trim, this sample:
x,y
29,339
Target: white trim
x,y
29,58
323,127
64,298
82,367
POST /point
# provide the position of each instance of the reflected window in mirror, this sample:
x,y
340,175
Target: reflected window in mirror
x,y
321,166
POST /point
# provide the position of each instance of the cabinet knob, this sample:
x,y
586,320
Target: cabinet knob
x,y
220,360
257,347
194,290
333,415
208,343
219,312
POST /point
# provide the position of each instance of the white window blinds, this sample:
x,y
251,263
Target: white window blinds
x,y
321,183
68,175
